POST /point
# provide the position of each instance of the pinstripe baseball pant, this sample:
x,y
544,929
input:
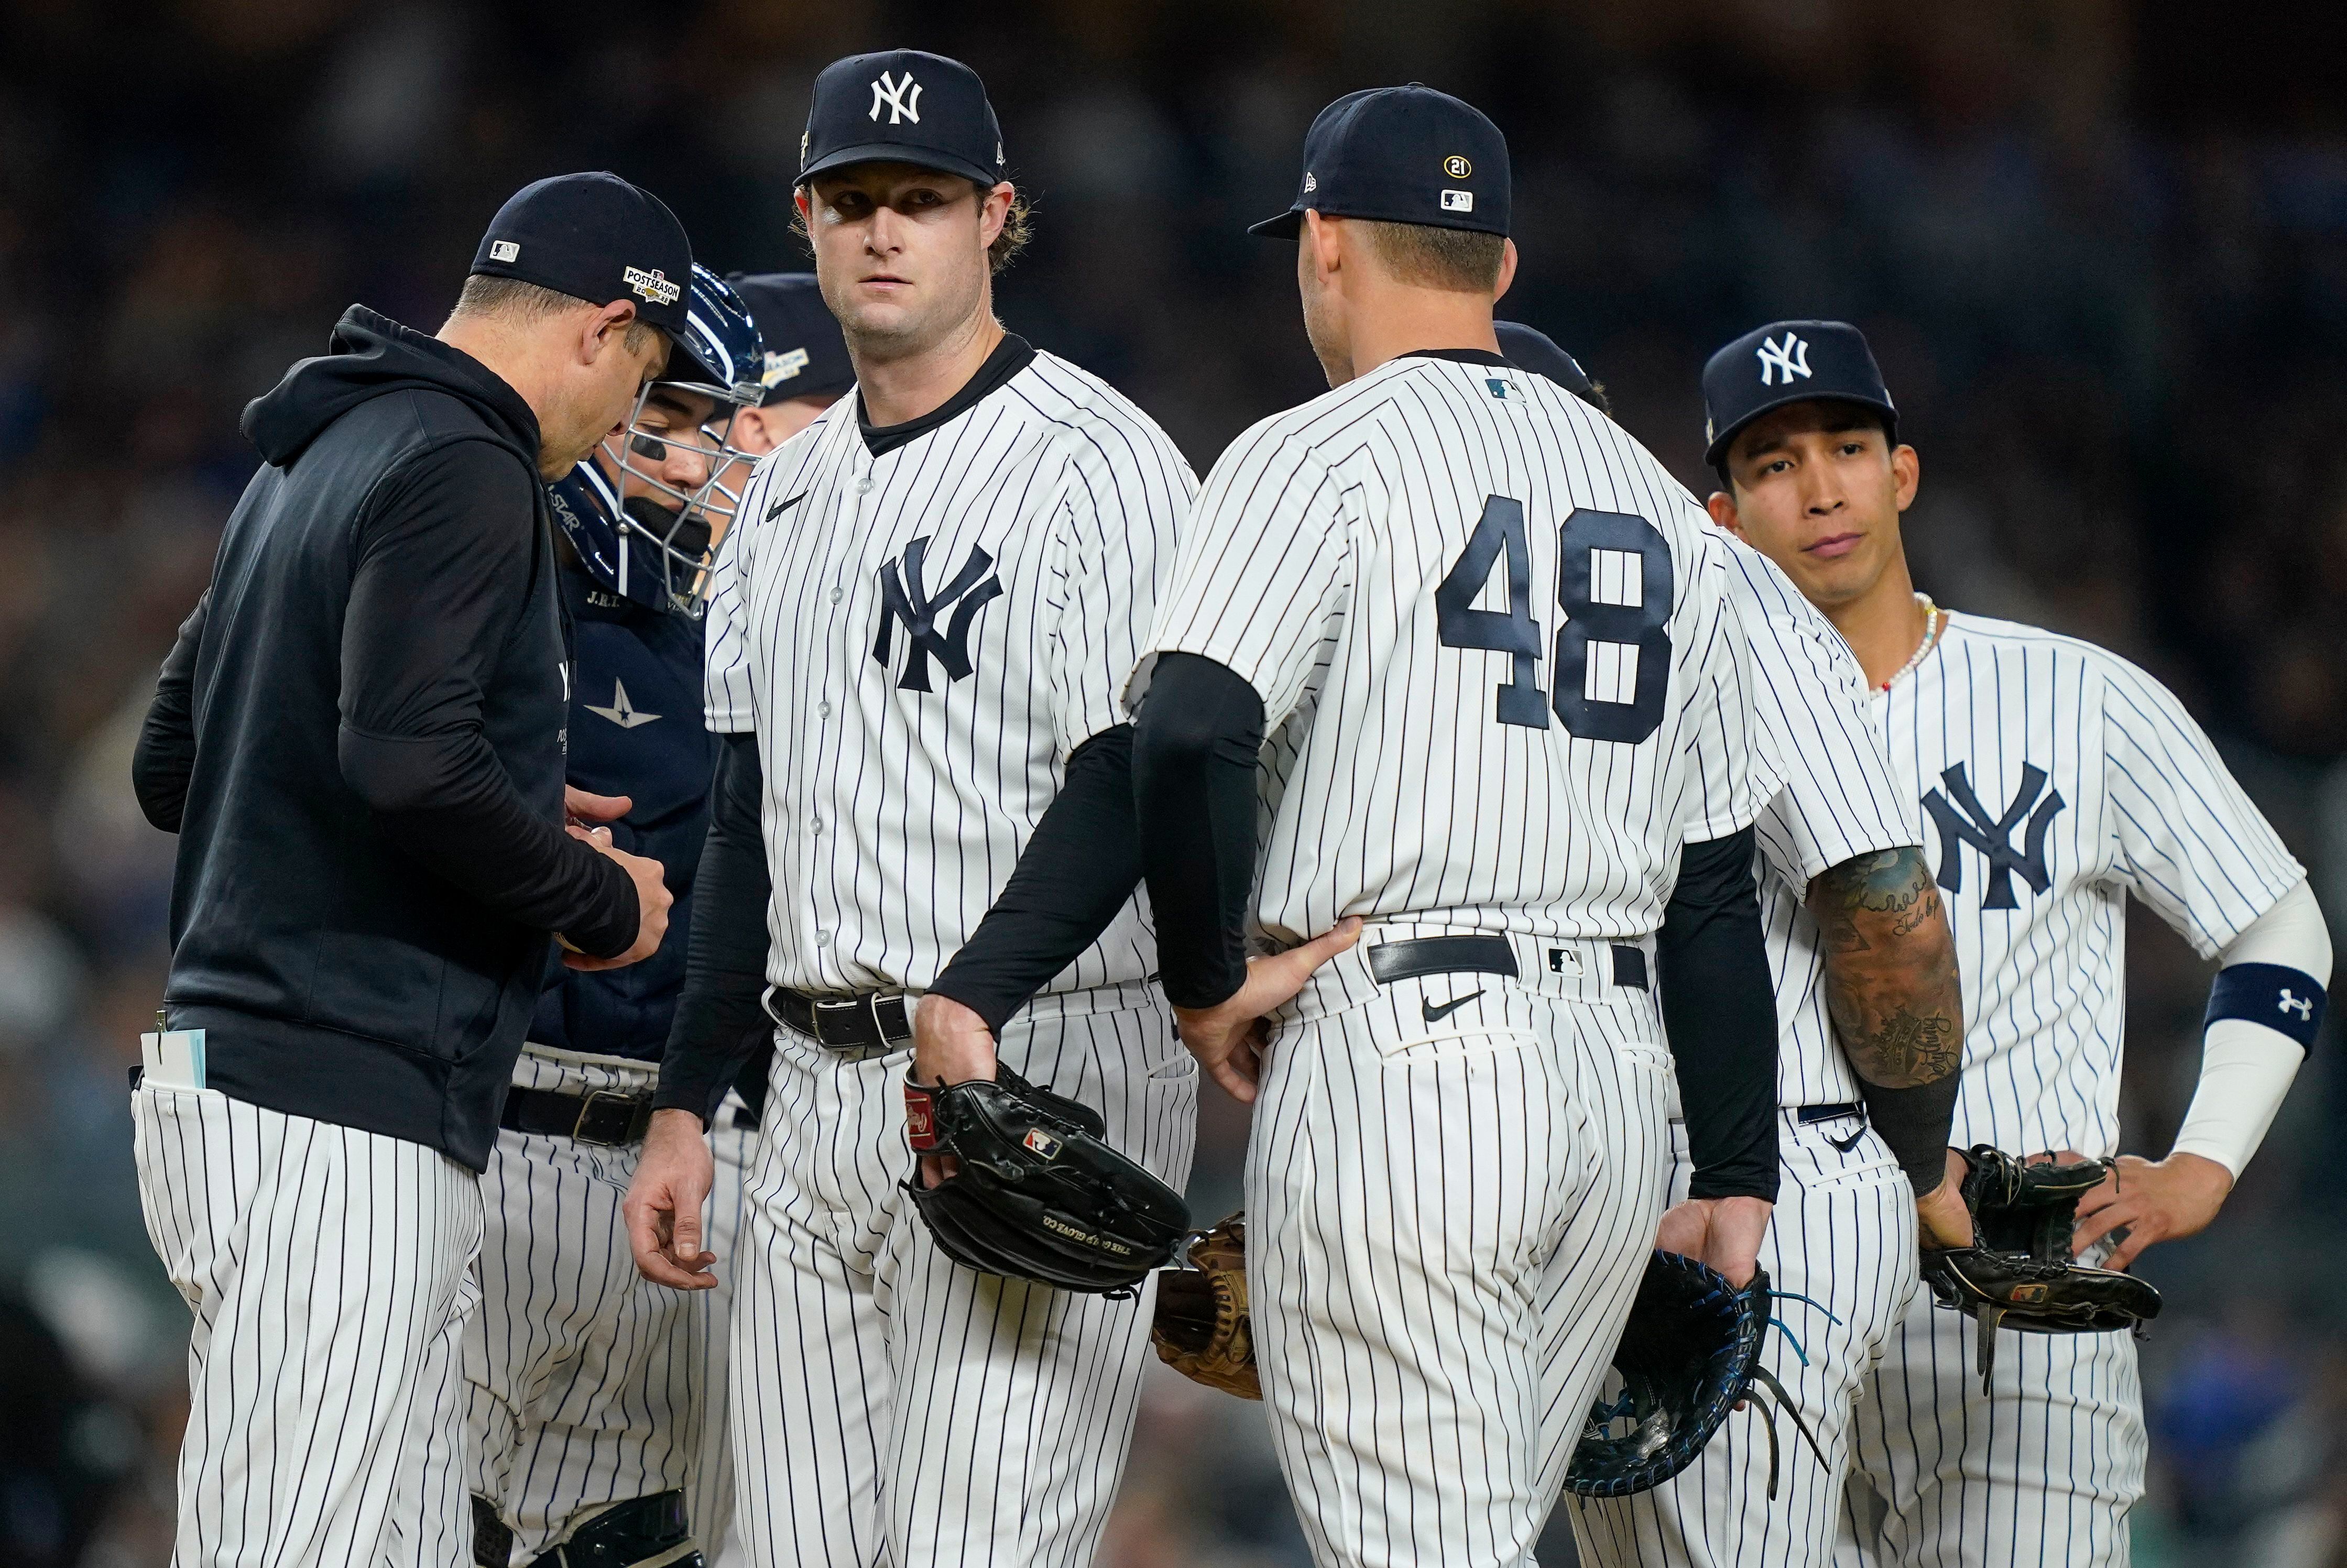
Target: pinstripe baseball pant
x,y
1843,1233
583,1380
1446,1226
890,1405
2042,1470
330,1272
709,1489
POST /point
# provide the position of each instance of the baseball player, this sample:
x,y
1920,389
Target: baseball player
x,y
1858,948
916,645
359,740
2050,779
586,1396
802,369
1479,641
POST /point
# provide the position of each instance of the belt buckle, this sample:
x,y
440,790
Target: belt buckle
x,y
587,1104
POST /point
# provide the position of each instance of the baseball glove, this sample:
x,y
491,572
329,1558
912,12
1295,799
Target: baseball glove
x,y
2019,1272
1690,1352
1039,1195
1202,1330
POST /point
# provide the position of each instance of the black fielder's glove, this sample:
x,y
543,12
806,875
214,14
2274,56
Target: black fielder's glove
x,y
1039,1195
2019,1272
1689,1353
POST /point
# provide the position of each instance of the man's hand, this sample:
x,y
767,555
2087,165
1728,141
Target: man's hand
x,y
1229,1039
1941,1217
951,1044
653,899
1723,1233
2144,1200
663,1204
581,809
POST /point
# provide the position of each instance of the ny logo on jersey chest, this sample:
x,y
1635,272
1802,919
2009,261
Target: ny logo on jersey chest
x,y
903,598
1961,820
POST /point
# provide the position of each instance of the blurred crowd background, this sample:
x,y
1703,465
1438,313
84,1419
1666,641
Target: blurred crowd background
x,y
2100,248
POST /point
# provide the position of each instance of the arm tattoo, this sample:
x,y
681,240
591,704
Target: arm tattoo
x,y
1891,968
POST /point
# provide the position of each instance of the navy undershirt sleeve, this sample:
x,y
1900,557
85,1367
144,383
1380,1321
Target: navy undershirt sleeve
x,y
1195,753
720,1019
1720,1011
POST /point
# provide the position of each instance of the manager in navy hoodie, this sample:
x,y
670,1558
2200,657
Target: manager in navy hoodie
x,y
359,739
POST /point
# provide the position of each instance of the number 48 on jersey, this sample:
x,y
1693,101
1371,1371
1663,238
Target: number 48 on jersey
x,y
1613,656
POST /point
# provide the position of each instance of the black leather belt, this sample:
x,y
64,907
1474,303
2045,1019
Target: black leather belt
x,y
603,1116
1419,955
1810,1115
872,1018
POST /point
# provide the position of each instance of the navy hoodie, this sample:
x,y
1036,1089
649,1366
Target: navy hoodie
x,y
359,739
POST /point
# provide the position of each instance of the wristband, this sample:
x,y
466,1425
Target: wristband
x,y
2288,1001
1915,1123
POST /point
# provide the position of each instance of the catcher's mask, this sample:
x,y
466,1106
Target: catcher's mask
x,y
1689,1354
645,509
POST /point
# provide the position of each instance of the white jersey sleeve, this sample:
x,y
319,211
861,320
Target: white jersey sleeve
x,y
1129,496
2191,843
1725,767
728,706
1831,795
1261,590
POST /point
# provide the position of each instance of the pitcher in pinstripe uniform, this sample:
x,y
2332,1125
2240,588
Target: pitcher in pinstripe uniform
x,y
922,853
2049,780
1467,652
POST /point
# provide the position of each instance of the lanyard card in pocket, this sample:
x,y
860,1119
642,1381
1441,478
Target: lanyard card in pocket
x,y
172,1058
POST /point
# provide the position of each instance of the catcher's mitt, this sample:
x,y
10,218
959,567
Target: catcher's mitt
x,y
1690,1351
2019,1272
1202,1330
1040,1194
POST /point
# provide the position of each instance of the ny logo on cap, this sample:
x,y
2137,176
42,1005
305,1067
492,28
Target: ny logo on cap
x,y
654,285
903,98
1790,357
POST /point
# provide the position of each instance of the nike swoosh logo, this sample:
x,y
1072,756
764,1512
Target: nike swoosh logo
x,y
779,507
1436,1014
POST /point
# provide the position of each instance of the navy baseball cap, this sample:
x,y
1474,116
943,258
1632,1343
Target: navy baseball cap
x,y
902,105
1788,362
1401,155
1528,348
596,238
805,354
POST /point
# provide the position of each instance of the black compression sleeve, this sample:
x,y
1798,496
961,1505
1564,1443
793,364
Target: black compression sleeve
x,y
1194,752
719,1020
1720,1011
1076,872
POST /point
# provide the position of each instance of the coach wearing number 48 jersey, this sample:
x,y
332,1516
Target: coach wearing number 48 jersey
x,y
359,740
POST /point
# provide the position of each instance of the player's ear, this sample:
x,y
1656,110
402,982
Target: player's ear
x,y
604,330
1507,270
1722,508
1318,240
994,212
1907,470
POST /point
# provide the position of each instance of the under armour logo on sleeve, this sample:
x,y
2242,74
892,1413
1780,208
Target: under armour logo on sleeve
x,y
902,598
2302,1006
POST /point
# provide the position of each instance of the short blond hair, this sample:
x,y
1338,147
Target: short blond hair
x,y
1464,260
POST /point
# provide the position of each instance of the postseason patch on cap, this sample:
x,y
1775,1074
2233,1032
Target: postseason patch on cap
x,y
782,367
654,285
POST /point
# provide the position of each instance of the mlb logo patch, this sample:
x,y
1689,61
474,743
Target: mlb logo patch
x,y
1459,201
1042,1143
504,251
1504,390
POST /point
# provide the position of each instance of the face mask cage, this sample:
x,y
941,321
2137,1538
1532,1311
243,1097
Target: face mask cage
x,y
667,531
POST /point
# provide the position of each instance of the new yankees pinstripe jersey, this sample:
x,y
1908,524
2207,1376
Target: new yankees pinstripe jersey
x,y
1501,690
2051,779
919,639
1834,799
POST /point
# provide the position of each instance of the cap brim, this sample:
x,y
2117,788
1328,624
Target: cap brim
x,y
1716,452
897,152
1284,227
